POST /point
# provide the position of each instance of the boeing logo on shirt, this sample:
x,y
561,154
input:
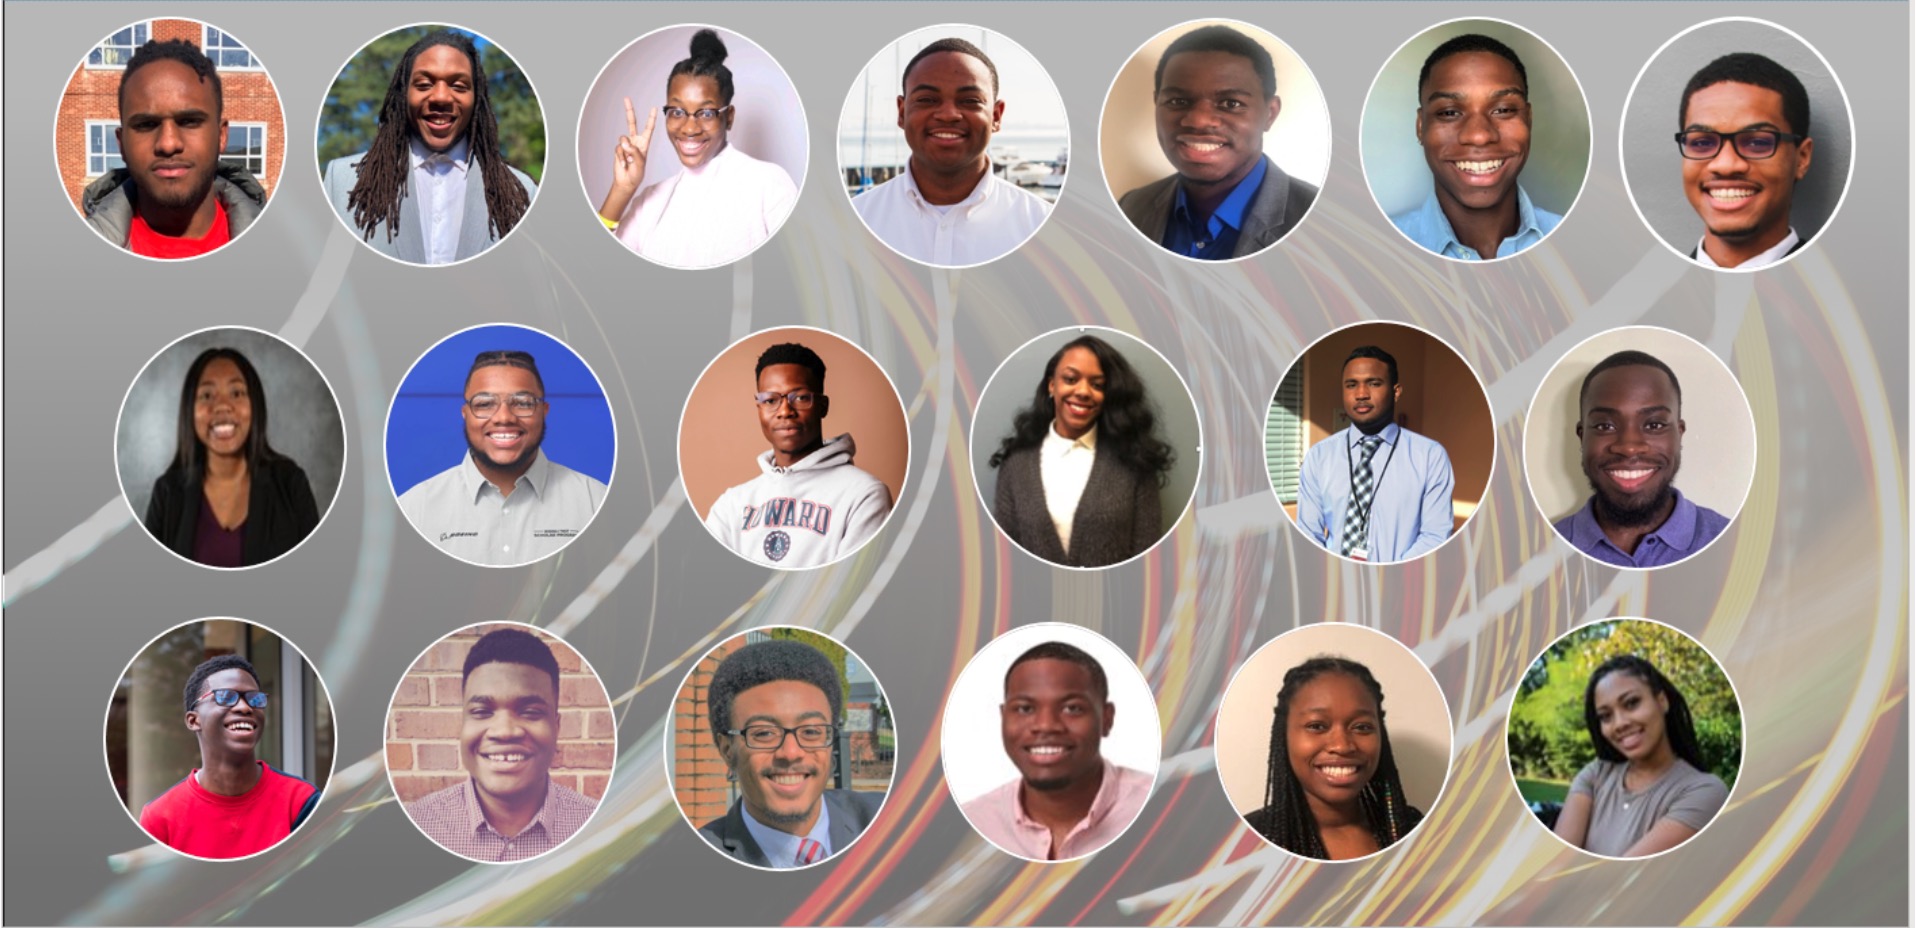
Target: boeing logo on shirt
x,y
789,512
452,534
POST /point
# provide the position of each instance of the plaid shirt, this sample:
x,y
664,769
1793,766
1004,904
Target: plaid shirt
x,y
452,818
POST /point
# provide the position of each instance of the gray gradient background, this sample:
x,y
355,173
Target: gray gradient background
x,y
1807,594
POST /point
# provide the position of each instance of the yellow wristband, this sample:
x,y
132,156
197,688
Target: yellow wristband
x,y
609,224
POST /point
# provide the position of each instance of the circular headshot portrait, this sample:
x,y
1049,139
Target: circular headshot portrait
x,y
500,742
1758,158
1333,741
1625,738
1606,435
1085,447
953,144
219,739
1379,442
1051,742
782,488
169,138
500,445
781,752
1475,139
205,471
1215,139
729,134
431,144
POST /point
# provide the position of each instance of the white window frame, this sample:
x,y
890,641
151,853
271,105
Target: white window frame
x,y
265,141
90,124
206,48
147,24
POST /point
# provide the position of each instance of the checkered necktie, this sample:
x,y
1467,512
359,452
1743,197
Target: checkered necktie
x,y
810,851
1357,515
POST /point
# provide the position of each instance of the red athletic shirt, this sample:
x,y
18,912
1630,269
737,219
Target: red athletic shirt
x,y
192,820
142,241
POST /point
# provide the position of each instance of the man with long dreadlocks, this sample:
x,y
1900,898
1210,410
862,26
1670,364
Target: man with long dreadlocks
x,y
412,195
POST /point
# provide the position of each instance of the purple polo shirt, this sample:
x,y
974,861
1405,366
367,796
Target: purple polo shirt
x,y
1690,528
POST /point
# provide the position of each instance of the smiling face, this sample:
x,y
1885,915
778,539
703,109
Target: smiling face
x,y
696,140
948,112
508,440
1370,398
781,785
1334,735
439,96
171,133
793,433
1744,203
510,731
1212,114
227,732
1076,387
1474,124
1632,443
1631,715
1053,721
222,408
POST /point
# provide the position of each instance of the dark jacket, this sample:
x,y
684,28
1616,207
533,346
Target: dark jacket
x,y
1281,202
850,811
280,511
108,202
1118,517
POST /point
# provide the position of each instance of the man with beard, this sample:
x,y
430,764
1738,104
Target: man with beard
x,y
1745,140
1215,94
1068,801
774,708
1630,422
1376,490
505,503
174,199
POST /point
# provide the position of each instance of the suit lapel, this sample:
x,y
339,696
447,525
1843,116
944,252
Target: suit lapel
x,y
410,244
738,839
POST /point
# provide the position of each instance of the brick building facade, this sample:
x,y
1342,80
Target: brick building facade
x,y
90,108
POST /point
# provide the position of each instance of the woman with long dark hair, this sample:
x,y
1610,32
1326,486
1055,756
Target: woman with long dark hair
x,y
1331,789
1649,789
1080,473
228,499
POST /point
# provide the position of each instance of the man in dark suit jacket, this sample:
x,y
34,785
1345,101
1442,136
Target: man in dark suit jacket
x,y
775,708
1215,98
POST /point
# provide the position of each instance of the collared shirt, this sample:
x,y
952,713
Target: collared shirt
x,y
781,848
1065,467
463,514
1216,237
1411,512
999,815
452,818
1769,256
1689,529
439,178
994,219
1428,227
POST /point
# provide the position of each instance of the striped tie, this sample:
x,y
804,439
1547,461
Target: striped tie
x,y
810,851
1357,515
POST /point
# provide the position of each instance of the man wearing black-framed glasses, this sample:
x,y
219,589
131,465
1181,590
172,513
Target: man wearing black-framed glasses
x,y
505,503
1744,138
233,805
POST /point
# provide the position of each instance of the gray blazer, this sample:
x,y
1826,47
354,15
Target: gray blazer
x,y
1281,202
850,812
1118,517
409,244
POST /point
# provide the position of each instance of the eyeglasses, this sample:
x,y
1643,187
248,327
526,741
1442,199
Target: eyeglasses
x,y
704,114
772,737
228,698
801,401
485,405
1750,143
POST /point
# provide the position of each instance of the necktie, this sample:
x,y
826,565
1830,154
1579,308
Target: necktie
x,y
1357,516
810,851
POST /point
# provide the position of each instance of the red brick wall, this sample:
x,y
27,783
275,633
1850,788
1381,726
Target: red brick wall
x,y
698,772
422,732
93,94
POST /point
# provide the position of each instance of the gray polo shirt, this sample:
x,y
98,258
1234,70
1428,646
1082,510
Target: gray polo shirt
x,y
464,515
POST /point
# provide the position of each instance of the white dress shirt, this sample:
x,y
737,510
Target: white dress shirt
x,y
1768,256
1065,467
462,513
710,215
439,184
994,219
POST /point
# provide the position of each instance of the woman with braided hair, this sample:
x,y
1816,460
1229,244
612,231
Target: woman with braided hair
x,y
1332,792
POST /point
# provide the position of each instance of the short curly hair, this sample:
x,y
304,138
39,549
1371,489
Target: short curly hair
x,y
769,662
511,645
174,50
794,354
196,684
1069,653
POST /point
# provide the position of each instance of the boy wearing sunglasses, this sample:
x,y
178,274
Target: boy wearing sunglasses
x,y
233,805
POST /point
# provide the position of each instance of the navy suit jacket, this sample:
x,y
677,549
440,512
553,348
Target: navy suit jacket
x,y
850,812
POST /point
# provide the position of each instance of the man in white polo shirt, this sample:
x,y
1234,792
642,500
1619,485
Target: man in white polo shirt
x,y
505,503
947,208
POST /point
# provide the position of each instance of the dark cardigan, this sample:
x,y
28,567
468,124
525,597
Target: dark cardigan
x,y
280,511
1118,517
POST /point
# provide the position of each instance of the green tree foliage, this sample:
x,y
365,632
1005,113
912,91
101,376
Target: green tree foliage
x,y
350,116
1548,737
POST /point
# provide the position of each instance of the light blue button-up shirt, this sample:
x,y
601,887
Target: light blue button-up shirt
x,y
1428,227
1410,514
781,848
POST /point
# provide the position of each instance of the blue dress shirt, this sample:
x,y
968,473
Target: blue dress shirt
x,y
1215,238
781,848
1411,512
1689,529
1428,227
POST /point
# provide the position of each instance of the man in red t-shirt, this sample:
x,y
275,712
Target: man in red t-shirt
x,y
233,805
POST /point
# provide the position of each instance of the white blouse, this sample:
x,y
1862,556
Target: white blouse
x,y
711,215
